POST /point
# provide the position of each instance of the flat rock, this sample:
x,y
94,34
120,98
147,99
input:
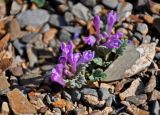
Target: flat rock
x,y
4,85
117,69
131,62
80,11
110,3
33,17
19,103
31,80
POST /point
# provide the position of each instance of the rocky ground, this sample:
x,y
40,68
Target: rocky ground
x,y
30,37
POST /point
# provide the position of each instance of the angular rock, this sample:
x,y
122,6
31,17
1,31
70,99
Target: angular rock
x,y
33,17
16,71
133,60
71,29
76,95
49,35
31,55
147,53
136,111
68,16
32,80
93,101
19,46
15,30
89,3
5,109
80,11
15,8
155,108
137,100
116,70
131,91
29,38
57,20
151,85
89,91
4,85
103,93
64,36
110,3
19,103
155,95
142,28
124,10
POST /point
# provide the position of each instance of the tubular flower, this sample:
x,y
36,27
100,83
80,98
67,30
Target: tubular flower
x,y
86,57
96,22
73,61
90,40
56,75
111,19
66,49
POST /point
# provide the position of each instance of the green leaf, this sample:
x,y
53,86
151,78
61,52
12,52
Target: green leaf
x,y
40,3
98,61
102,51
123,46
97,74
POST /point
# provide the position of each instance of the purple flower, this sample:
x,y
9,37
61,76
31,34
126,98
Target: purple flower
x,y
111,19
56,75
66,49
112,43
90,40
73,58
86,57
96,22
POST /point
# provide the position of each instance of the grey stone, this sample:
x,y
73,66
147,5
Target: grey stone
x,y
76,95
57,20
66,95
31,55
46,67
137,100
38,42
80,11
68,16
131,62
45,28
147,39
142,28
89,91
122,63
103,93
97,9
71,29
110,3
156,108
60,1
29,38
138,36
19,46
89,3
64,36
33,17
15,8
124,9
32,80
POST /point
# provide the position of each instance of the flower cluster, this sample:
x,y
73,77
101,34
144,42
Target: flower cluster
x,y
68,63
111,40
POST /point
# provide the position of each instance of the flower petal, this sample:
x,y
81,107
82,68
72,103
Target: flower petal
x,y
96,22
90,40
56,77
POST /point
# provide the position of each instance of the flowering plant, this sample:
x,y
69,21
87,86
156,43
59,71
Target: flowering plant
x,y
74,68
